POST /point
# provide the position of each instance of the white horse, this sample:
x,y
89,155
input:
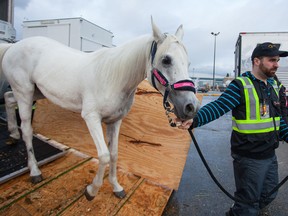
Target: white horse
x,y
100,85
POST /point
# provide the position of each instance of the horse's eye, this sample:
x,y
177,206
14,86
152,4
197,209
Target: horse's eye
x,y
166,60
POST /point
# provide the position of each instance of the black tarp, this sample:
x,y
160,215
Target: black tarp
x,y
13,158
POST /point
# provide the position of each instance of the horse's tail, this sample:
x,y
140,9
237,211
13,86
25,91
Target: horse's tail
x,y
3,83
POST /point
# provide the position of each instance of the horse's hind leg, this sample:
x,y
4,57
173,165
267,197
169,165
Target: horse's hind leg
x,y
112,136
10,105
25,101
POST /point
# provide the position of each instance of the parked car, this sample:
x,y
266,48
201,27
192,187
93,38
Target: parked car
x,y
203,89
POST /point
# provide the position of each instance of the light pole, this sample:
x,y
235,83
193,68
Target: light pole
x,y
215,35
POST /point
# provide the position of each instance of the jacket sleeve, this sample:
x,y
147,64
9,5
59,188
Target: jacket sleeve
x,y
282,97
228,100
283,130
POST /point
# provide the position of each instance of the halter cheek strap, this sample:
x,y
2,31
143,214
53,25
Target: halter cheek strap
x,y
153,51
160,78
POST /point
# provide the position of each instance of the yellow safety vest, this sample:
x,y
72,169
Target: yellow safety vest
x,y
253,123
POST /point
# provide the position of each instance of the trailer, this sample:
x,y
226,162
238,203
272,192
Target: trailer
x,y
246,43
77,32
7,35
7,32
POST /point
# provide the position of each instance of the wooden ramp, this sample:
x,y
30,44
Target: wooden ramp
x,y
151,160
61,193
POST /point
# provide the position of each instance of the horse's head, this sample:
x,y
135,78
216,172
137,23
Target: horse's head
x,y
169,74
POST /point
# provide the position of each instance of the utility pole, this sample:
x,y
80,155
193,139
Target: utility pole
x,y
215,35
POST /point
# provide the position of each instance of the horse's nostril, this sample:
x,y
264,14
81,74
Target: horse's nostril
x,y
189,109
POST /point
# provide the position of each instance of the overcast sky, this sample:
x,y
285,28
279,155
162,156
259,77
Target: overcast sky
x,y
127,19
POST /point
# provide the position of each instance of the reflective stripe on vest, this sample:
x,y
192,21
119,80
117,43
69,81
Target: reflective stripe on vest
x,y
253,122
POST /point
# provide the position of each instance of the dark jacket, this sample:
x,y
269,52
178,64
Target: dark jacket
x,y
260,145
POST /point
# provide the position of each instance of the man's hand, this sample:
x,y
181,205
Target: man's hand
x,y
185,125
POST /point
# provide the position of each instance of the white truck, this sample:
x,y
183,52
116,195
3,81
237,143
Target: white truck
x,y
247,41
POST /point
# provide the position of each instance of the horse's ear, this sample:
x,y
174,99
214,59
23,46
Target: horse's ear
x,y
158,36
180,33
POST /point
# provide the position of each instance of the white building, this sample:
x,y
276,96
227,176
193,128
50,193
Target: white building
x,y
77,33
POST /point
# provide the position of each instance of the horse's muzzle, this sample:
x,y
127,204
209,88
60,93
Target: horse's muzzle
x,y
187,111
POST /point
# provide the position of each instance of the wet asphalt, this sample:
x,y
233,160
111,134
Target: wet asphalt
x,y
197,194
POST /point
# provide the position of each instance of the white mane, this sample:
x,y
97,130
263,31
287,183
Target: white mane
x,y
118,64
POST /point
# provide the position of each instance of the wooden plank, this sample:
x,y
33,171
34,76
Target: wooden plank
x,y
64,195
148,146
148,199
18,187
51,198
146,138
105,203
17,210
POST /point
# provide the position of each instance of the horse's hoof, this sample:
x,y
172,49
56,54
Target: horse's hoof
x,y
11,141
36,179
120,194
88,196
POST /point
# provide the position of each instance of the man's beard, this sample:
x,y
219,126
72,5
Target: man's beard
x,y
269,72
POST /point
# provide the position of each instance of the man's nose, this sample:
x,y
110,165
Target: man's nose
x,y
276,64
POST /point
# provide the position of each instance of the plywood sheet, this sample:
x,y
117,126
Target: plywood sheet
x,y
105,202
148,199
18,187
62,194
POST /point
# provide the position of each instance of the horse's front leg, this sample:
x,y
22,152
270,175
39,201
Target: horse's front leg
x,y
112,136
10,105
95,128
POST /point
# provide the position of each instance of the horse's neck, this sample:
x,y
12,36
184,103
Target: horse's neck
x,y
138,58
129,63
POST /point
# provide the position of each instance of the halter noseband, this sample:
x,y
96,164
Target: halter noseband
x,y
182,85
